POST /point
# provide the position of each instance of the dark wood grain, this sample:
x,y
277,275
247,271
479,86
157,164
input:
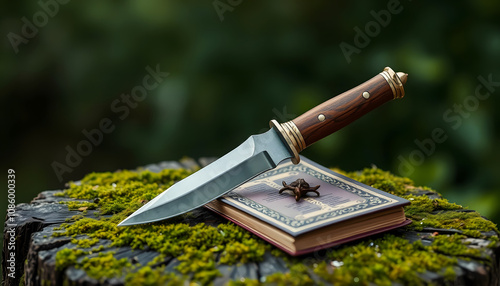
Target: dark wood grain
x,y
343,109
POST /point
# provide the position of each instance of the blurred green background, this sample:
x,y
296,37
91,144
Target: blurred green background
x,y
235,65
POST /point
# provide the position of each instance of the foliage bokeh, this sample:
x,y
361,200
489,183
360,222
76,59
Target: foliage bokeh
x,y
228,78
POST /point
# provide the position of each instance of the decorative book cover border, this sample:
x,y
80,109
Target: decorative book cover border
x,y
372,199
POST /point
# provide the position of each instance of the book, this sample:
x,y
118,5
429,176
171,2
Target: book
x,y
346,210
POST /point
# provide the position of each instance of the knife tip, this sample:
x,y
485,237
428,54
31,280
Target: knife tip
x,y
125,222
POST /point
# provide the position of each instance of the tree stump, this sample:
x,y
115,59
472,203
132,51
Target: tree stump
x,y
72,240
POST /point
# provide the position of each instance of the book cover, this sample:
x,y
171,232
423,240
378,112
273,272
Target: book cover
x,y
341,199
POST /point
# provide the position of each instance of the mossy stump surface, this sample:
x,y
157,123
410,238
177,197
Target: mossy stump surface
x,y
69,237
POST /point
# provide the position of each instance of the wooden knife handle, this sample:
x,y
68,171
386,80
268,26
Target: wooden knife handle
x,y
341,110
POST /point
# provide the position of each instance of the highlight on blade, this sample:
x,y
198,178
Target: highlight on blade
x,y
257,154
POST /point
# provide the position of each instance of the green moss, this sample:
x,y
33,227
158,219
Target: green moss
x,y
97,249
449,273
105,265
150,277
390,258
298,275
67,257
386,260
200,264
122,193
21,280
471,223
244,282
454,245
494,242
242,252
382,180
424,211
85,243
439,213
423,205
74,218
80,206
104,228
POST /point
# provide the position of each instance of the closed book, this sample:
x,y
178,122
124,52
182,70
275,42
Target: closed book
x,y
345,210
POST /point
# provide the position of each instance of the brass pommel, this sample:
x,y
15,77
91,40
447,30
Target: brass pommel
x,y
396,81
403,76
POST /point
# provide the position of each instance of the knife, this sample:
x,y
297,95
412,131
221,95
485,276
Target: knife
x,y
265,151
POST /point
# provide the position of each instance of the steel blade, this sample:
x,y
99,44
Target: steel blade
x,y
256,155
